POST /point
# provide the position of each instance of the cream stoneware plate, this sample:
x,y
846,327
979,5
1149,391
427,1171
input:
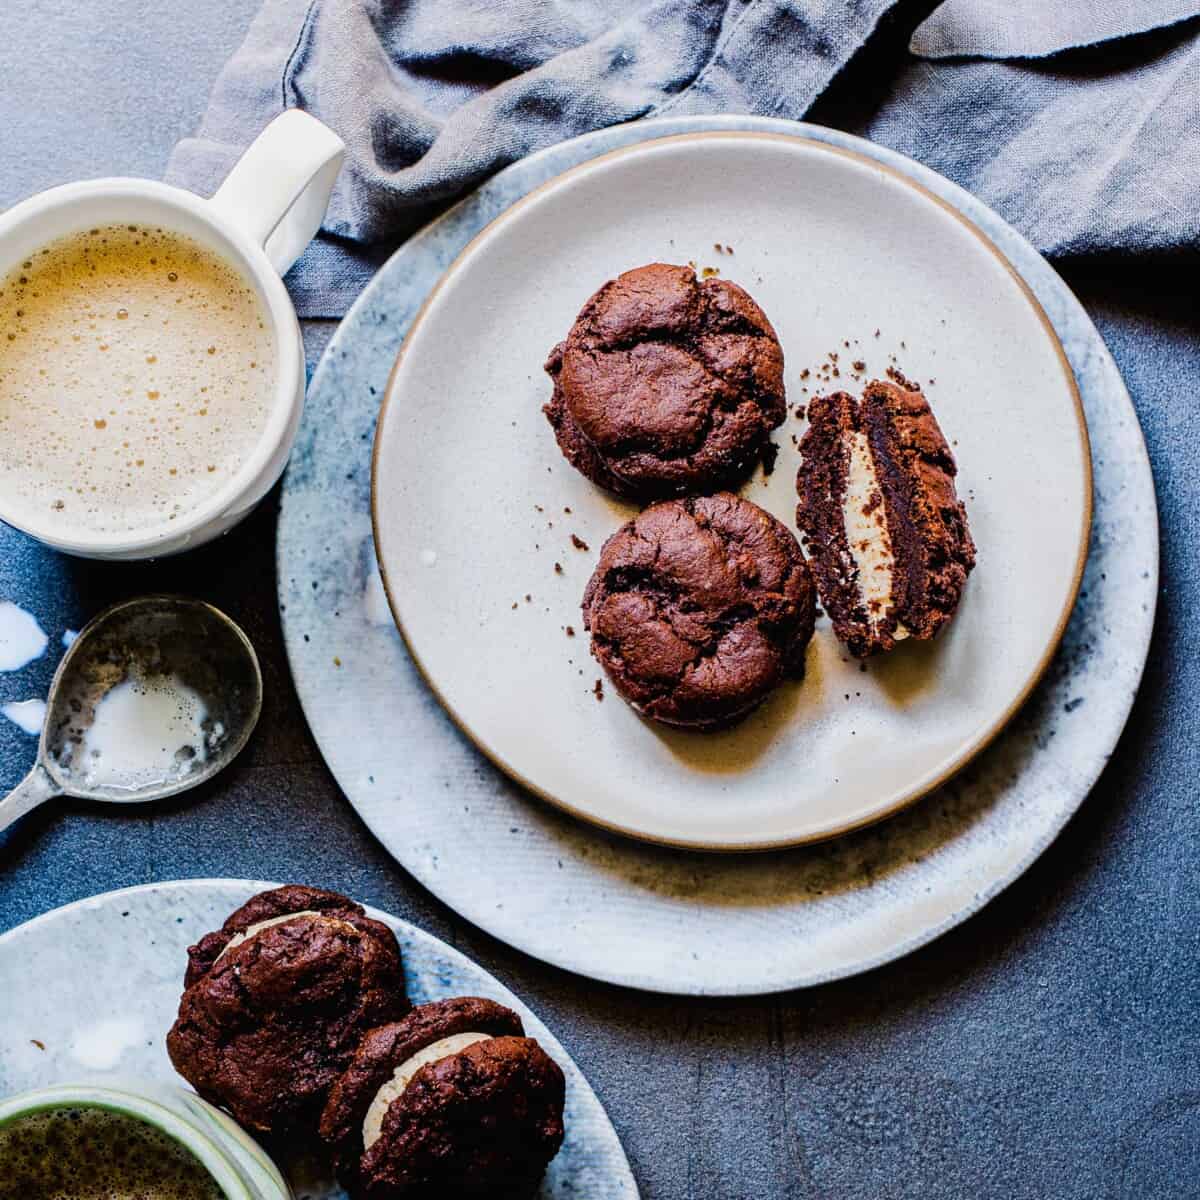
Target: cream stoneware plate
x,y
88,992
480,524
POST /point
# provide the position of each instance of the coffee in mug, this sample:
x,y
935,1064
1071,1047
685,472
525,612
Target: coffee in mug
x,y
137,375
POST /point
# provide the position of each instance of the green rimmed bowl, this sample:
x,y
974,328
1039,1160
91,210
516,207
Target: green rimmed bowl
x,y
238,1165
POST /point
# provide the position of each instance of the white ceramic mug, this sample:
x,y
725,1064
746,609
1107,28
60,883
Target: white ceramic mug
x,y
259,220
236,1162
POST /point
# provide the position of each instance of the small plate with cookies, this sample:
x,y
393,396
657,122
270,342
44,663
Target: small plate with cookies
x,y
367,1058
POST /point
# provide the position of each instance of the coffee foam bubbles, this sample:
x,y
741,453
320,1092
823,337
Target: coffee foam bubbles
x,y
94,1154
137,372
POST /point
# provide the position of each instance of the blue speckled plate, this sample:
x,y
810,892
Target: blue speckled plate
x,y
652,917
91,989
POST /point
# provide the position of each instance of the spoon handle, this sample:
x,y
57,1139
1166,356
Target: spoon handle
x,y
36,788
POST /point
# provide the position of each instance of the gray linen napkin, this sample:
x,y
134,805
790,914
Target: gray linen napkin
x,y
1035,28
1091,150
432,96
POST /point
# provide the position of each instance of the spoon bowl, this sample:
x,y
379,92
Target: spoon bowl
x,y
155,696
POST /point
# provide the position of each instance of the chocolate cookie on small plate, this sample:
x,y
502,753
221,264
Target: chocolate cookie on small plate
x,y
698,608
276,1001
666,384
884,527
453,1100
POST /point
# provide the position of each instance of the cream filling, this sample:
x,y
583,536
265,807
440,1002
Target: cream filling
x,y
867,533
402,1077
258,927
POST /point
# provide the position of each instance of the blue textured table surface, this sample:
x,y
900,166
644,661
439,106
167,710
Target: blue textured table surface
x,y
1045,1049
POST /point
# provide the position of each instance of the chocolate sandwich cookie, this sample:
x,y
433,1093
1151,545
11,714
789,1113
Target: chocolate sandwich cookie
x,y
885,531
666,384
276,1002
452,1100
698,608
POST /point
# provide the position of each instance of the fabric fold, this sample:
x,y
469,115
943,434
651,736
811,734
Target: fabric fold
x,y
1081,159
432,96
1084,152
1038,28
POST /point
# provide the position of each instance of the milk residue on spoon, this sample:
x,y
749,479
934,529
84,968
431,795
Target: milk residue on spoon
x,y
148,729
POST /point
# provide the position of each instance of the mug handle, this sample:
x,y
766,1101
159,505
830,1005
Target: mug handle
x,y
279,189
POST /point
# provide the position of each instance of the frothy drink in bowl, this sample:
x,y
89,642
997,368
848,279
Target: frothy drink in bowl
x,y
82,1153
137,374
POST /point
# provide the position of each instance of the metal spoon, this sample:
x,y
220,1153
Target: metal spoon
x,y
150,643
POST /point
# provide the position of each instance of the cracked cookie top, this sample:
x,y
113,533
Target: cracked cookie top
x,y
666,384
698,608
389,1046
276,1002
484,1122
453,1100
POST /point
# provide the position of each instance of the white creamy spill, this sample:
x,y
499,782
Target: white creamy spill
x,y
68,638
258,927
867,533
28,715
21,637
402,1077
145,731
137,373
375,603
101,1046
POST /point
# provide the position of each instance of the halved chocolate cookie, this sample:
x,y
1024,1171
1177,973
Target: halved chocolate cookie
x,y
698,608
451,1101
276,1001
666,384
885,532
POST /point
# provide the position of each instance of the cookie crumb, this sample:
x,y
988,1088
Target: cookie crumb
x,y
558,568
570,631
578,542
598,690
